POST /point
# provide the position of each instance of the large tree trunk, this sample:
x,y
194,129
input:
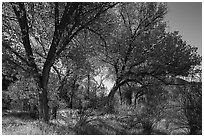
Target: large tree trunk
x,y
21,14
44,106
43,100
110,101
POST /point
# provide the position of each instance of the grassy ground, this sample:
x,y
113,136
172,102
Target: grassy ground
x,y
70,123
20,123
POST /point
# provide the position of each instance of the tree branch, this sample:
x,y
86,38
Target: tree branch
x,y
115,65
136,64
127,25
55,68
57,21
107,62
68,12
69,38
100,36
59,28
20,66
37,39
15,52
9,17
167,83
124,21
127,55
23,22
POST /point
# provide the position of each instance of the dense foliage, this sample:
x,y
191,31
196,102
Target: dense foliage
x,y
60,55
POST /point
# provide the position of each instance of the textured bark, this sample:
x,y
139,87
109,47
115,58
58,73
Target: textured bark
x,y
44,97
110,101
43,100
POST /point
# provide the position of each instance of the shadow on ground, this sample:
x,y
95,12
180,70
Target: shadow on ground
x,y
21,115
113,126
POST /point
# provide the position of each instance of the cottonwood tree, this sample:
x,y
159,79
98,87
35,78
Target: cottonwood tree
x,y
45,29
141,48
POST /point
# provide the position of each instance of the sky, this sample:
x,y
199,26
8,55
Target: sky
x,y
186,17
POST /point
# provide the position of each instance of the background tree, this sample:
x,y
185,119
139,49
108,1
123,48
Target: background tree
x,y
9,75
190,106
140,48
24,92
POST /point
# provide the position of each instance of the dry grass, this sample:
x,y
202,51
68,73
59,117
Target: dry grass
x,y
17,126
70,124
